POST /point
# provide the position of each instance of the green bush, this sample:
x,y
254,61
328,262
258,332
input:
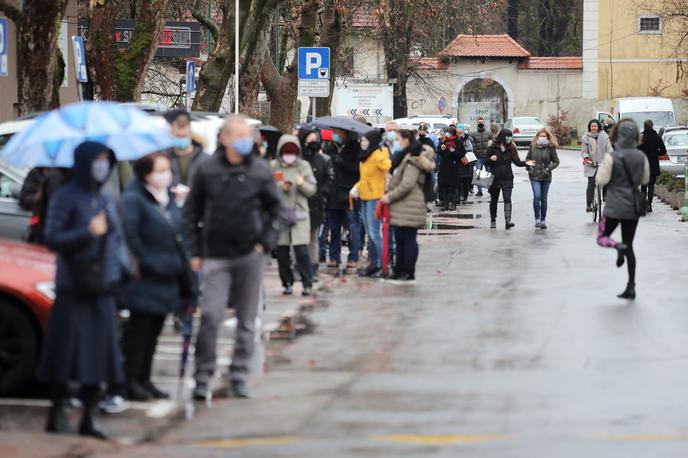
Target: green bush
x,y
671,182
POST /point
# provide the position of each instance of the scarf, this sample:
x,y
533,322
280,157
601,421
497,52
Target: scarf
x,y
161,197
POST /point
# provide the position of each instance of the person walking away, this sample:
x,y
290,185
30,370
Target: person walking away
x,y
321,164
407,202
543,152
653,146
448,177
596,145
154,230
374,167
80,344
238,203
502,154
482,140
464,145
346,174
622,172
295,177
185,159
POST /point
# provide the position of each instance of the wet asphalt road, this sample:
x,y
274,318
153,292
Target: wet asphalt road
x,y
511,344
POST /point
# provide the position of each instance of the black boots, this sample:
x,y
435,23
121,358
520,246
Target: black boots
x,y
88,426
620,253
57,418
629,293
507,217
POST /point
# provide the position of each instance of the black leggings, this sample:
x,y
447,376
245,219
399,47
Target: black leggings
x,y
494,198
649,189
590,192
628,228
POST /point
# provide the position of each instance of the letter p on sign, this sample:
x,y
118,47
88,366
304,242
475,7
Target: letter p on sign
x,y
313,62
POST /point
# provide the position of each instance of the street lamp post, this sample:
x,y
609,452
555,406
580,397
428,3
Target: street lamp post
x,y
236,57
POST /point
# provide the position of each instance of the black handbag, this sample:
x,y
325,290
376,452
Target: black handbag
x,y
639,199
88,275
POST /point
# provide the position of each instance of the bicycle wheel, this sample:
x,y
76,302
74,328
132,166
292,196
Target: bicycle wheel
x,y
599,203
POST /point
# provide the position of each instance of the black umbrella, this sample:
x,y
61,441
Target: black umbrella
x,y
271,135
341,122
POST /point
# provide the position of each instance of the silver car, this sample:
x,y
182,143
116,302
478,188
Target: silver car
x,y
676,142
524,129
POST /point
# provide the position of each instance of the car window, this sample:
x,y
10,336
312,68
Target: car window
x,y
7,186
677,139
4,139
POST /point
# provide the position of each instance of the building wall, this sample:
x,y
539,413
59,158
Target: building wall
x,y
629,64
8,85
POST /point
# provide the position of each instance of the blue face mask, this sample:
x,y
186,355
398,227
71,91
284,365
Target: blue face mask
x,y
396,146
391,136
182,143
243,146
337,138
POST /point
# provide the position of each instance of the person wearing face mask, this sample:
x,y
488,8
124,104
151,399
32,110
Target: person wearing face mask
x,y
391,139
502,154
295,178
375,165
482,139
81,344
321,164
155,234
464,146
450,151
596,145
346,175
543,151
236,201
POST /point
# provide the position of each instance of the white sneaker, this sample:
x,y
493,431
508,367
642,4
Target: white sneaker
x,y
114,404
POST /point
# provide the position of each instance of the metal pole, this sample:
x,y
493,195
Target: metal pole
x,y
236,57
313,104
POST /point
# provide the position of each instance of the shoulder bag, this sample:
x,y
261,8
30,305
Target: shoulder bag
x,y
188,280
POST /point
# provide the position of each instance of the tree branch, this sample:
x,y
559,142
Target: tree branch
x,y
11,11
206,22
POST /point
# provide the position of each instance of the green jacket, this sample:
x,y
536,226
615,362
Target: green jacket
x,y
546,160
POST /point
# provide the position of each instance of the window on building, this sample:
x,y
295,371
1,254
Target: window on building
x,y
649,25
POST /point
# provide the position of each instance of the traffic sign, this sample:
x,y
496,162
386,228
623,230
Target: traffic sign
x,y
3,47
442,104
190,76
314,63
79,59
314,88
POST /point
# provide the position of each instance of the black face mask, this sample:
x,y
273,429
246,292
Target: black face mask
x,y
313,147
481,126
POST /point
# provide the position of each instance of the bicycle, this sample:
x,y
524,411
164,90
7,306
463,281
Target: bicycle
x,y
597,200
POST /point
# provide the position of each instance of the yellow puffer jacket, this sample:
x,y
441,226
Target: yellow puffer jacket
x,y
374,175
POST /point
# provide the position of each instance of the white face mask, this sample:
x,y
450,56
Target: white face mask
x,y
100,169
289,159
160,180
542,141
365,144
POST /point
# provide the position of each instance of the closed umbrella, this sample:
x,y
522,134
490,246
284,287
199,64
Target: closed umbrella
x,y
51,140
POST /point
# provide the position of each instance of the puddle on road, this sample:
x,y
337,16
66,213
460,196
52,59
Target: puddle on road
x,y
459,216
449,227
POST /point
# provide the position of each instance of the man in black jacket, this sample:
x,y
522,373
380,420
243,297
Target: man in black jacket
x,y
653,147
236,201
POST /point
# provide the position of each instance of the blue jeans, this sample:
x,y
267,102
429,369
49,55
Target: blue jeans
x,y
336,220
540,190
372,228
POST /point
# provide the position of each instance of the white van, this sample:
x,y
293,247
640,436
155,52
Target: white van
x,y
433,121
640,109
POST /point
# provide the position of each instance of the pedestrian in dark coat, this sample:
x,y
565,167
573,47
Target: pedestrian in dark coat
x,y
622,172
502,154
482,140
543,151
38,187
450,152
155,233
81,341
465,167
324,176
653,146
346,175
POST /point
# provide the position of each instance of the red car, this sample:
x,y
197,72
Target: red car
x,y
27,291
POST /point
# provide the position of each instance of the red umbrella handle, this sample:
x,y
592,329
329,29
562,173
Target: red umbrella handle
x,y
385,238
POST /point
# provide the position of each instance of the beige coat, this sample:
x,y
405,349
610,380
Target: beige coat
x,y
405,189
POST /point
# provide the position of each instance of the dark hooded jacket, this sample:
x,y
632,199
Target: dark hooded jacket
x,y
81,343
450,163
346,173
501,168
324,176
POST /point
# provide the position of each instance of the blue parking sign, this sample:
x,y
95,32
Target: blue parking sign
x,y
80,59
3,47
314,63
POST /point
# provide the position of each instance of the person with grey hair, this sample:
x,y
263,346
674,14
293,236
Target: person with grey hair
x,y
622,172
236,201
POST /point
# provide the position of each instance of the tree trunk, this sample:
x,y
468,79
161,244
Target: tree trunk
x,y
58,77
330,37
512,19
397,31
101,49
38,28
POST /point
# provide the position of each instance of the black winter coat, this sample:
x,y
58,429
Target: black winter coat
x,y
481,138
501,168
450,162
324,176
151,233
653,147
346,174
465,171
81,342
239,206
38,187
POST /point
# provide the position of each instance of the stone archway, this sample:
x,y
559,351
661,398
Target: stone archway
x,y
488,96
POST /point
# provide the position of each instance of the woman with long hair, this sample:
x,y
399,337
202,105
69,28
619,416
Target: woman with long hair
x,y
622,172
502,154
543,151
596,145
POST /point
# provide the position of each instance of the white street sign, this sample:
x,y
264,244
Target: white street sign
x,y
354,99
314,88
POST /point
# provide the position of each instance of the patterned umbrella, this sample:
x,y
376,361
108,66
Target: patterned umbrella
x,y
50,141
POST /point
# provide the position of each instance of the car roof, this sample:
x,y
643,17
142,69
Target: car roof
x,y
12,127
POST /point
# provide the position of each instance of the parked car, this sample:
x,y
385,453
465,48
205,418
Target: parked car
x,y
676,142
524,129
14,221
27,291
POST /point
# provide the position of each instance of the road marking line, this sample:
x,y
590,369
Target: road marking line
x,y
439,439
642,437
251,442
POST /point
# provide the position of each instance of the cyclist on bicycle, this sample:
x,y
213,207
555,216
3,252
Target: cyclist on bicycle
x,y
595,145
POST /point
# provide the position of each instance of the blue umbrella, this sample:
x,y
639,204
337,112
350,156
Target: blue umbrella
x,y
50,141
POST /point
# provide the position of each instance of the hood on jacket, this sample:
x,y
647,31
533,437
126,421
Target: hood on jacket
x,y
84,155
425,161
288,144
374,138
626,135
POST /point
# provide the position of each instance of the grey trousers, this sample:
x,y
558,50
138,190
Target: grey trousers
x,y
237,282
314,247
